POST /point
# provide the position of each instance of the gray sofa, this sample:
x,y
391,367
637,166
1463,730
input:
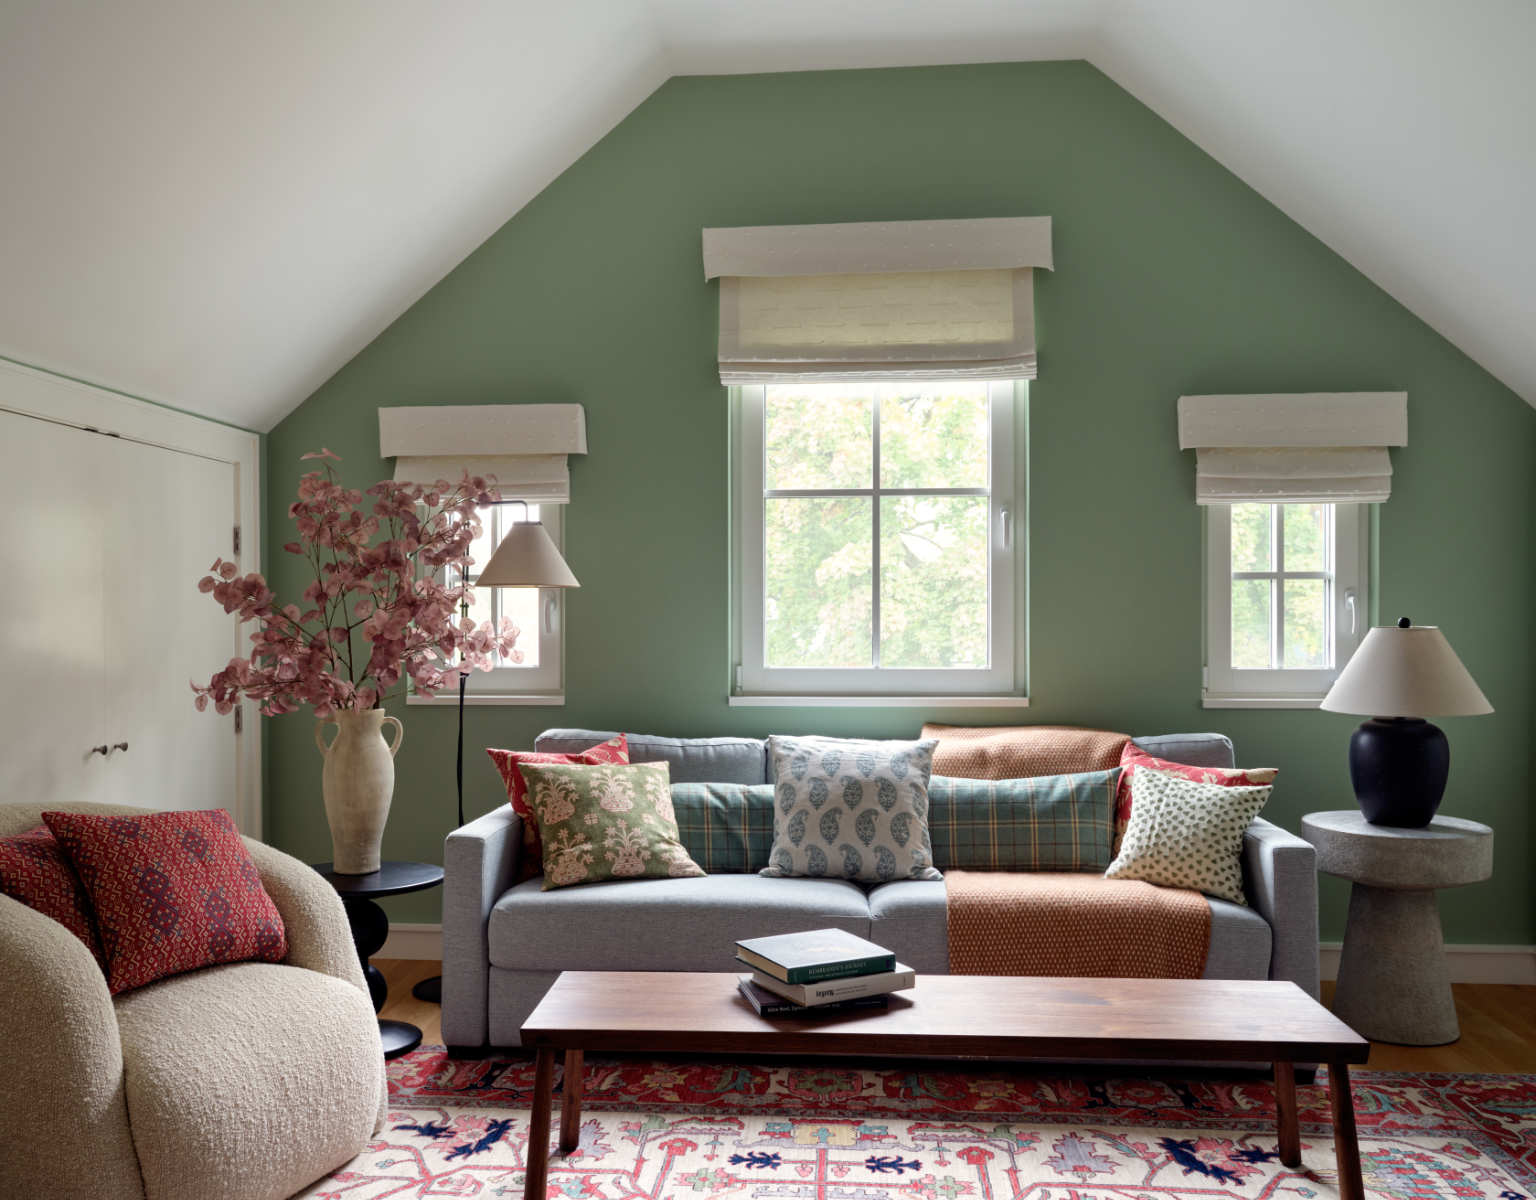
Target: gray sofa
x,y
504,942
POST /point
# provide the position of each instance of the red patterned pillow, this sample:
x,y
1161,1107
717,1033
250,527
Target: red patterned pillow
x,y
614,750
1134,756
173,891
34,870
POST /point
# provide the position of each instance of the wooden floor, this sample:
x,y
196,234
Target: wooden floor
x,y
1498,1024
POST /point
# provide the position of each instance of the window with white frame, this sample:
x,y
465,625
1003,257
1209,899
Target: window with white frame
x,y
1286,599
535,671
875,544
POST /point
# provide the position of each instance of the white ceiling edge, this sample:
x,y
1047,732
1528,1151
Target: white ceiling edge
x,y
217,206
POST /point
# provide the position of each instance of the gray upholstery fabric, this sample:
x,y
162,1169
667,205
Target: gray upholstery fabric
x,y
910,917
1196,749
513,995
1280,881
689,760
479,864
1240,942
662,924
248,1081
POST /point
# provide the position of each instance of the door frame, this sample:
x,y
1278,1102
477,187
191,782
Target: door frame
x,y
32,392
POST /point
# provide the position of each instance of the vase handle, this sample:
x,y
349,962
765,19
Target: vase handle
x,y
399,734
320,743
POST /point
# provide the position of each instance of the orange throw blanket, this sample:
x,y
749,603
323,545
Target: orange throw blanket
x,y
1022,751
1064,923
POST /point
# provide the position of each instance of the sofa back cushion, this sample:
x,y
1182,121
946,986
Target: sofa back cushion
x,y
1192,749
1043,823
727,828
690,760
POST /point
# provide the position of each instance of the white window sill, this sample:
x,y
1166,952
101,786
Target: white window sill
x,y
1210,700
770,701
450,699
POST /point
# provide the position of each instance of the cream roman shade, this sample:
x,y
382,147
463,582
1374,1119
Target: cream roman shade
x,y
1318,447
892,300
523,445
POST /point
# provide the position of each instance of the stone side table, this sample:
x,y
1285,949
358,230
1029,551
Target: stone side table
x,y
1393,984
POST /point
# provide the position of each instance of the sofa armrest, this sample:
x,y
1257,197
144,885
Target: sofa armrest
x,y
479,864
316,927
1280,879
66,1116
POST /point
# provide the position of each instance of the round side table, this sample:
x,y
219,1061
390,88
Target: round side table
x,y
370,926
1393,984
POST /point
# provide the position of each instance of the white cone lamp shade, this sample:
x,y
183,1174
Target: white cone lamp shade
x,y
527,558
1406,672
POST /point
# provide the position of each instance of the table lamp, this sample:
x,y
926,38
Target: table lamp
x,y
1398,761
525,557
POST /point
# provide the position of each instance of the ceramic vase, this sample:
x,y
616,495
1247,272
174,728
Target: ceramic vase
x,y
358,782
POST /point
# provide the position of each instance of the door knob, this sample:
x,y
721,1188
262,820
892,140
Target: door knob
x,y
120,745
102,750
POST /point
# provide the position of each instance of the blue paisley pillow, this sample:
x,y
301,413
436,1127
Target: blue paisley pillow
x,y
850,809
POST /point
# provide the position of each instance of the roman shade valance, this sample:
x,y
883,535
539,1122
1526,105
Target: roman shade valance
x,y
889,300
523,445
1317,447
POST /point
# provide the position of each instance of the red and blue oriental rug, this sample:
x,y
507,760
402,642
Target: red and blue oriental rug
x,y
709,1129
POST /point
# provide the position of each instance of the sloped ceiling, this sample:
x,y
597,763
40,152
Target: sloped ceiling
x,y
216,205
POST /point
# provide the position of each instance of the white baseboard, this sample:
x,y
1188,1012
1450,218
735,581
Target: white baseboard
x,y
413,941
1468,963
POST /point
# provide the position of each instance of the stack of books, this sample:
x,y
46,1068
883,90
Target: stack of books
x,y
820,971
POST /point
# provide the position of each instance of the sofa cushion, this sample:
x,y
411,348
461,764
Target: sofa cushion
x,y
910,918
1045,823
725,827
231,1096
1195,749
662,924
615,750
691,760
1241,942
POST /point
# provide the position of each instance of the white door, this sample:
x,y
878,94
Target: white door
x,y
51,704
169,515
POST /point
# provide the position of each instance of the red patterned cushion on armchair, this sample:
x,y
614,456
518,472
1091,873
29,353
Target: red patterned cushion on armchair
x,y
34,870
172,891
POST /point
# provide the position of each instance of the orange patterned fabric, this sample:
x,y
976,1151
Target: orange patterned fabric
x,y
1061,923
1022,751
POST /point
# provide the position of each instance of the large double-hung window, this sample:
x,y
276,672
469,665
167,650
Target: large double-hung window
x,y
876,539
875,372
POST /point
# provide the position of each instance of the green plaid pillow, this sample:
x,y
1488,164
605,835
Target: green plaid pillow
x,y
1049,823
726,827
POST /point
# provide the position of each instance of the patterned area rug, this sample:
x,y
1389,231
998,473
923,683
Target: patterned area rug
x,y
838,1131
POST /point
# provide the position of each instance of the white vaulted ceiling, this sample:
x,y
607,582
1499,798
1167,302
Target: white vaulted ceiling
x,y
215,205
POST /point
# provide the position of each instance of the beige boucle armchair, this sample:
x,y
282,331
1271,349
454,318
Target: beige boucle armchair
x,y
236,1082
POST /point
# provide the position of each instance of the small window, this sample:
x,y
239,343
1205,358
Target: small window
x,y
537,613
1286,603
875,539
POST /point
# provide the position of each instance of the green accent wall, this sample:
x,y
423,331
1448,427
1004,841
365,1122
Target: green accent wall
x,y
1172,276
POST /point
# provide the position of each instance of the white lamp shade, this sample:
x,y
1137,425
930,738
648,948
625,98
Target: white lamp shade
x,y
526,558
1406,672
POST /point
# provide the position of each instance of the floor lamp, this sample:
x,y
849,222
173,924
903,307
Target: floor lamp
x,y
526,557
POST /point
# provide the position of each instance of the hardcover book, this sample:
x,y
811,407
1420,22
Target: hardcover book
x,y
815,954
767,1004
833,991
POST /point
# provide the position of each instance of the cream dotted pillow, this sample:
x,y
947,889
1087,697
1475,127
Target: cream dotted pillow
x,y
1186,834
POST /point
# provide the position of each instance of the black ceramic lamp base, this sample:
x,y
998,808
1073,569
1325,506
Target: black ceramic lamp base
x,y
1399,767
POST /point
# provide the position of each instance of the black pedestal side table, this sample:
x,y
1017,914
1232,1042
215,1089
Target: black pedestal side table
x,y
370,926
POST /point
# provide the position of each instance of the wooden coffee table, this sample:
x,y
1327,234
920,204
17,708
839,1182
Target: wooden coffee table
x,y
953,1016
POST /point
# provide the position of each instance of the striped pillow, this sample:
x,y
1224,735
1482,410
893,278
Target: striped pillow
x,y
727,828
1047,823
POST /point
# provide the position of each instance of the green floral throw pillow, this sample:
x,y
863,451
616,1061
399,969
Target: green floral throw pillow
x,y
606,822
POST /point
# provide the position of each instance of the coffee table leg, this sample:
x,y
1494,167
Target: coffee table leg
x,y
538,1126
1346,1145
570,1102
1285,1113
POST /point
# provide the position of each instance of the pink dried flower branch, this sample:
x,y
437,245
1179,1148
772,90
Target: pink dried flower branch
x,y
385,591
